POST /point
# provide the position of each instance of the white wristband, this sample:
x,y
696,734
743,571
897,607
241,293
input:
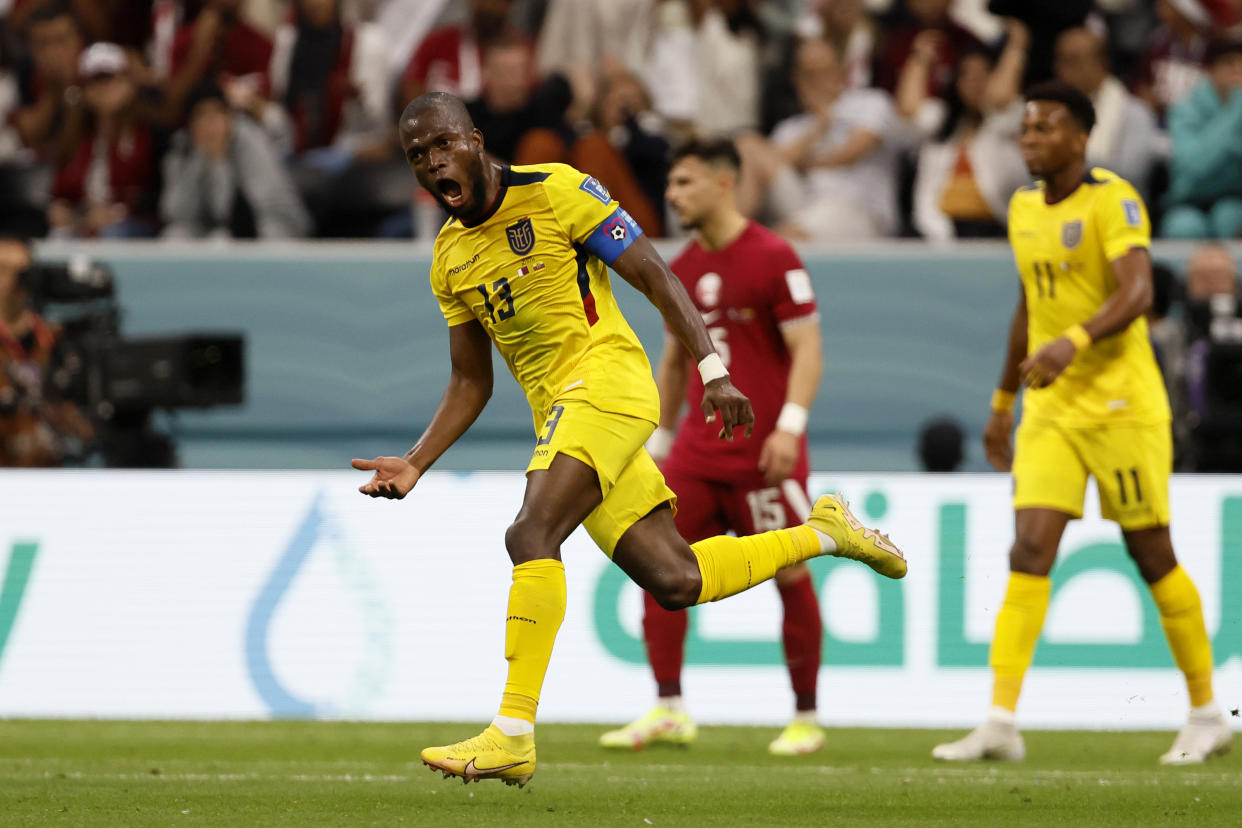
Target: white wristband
x,y
792,419
711,367
660,443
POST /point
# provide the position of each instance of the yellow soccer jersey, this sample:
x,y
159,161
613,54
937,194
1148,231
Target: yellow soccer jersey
x,y
534,272
1063,252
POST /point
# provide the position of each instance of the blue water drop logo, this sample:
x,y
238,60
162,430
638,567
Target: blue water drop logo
x,y
321,530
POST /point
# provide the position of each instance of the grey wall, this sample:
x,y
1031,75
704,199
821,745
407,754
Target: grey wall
x,y
348,354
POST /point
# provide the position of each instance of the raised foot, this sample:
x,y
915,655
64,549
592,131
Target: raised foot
x,y
832,516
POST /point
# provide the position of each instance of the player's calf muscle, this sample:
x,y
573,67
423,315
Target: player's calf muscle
x,y
664,567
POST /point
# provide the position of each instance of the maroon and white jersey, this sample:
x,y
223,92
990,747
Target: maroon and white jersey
x,y
746,293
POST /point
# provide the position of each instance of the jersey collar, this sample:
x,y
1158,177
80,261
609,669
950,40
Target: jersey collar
x,y
506,178
1087,178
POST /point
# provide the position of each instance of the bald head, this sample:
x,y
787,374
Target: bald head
x,y
448,110
1081,59
445,152
1211,270
817,75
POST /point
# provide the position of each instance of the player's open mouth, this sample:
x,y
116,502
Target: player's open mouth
x,y
450,190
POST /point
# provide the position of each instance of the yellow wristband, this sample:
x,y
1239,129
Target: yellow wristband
x,y
1002,400
1079,336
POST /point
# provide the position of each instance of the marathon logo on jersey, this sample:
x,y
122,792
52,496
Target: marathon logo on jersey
x,y
592,187
1071,233
1134,216
521,236
453,271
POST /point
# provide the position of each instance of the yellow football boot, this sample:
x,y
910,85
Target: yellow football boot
x,y
798,739
660,725
833,517
490,755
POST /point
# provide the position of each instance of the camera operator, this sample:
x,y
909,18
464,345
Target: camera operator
x,y
1213,335
34,430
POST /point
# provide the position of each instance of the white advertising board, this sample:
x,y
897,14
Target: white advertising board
x,y
269,594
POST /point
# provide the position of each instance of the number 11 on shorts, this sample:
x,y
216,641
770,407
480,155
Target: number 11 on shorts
x,y
1121,484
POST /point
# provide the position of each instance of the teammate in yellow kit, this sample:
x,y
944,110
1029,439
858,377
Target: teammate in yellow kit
x,y
523,263
1095,406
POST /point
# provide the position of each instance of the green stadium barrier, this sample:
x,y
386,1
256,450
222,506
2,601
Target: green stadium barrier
x,y
347,353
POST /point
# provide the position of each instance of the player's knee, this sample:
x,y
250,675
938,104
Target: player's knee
x,y
1152,552
677,588
528,540
1028,557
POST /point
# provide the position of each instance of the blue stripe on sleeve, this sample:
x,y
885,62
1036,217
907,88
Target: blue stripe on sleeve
x,y
613,236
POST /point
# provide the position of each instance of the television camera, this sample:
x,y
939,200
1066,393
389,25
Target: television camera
x,y
1215,378
120,381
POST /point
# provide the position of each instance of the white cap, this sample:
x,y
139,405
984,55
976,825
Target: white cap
x,y
102,59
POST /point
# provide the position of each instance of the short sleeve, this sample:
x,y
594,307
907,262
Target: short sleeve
x,y
1121,220
456,312
590,215
790,290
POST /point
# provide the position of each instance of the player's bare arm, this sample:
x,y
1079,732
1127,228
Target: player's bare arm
x,y
782,447
1131,299
468,390
642,267
998,432
672,374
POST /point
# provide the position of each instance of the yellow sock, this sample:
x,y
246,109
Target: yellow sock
x,y
536,609
1018,623
731,565
1181,615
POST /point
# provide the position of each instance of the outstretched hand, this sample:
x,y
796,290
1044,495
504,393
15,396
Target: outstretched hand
x,y
719,396
393,479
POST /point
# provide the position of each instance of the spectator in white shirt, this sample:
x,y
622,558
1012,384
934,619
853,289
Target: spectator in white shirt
x,y
835,164
1125,139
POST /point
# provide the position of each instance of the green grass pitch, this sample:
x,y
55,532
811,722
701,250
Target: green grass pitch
x,y
313,773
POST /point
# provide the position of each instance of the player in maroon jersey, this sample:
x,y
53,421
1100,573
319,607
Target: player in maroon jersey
x,y
758,306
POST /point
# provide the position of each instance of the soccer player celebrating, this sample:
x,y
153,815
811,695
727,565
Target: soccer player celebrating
x,y
523,262
756,301
1095,406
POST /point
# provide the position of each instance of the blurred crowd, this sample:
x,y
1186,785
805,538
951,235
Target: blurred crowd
x,y
856,119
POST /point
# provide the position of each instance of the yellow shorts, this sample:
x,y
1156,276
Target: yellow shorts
x,y
612,444
1131,465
